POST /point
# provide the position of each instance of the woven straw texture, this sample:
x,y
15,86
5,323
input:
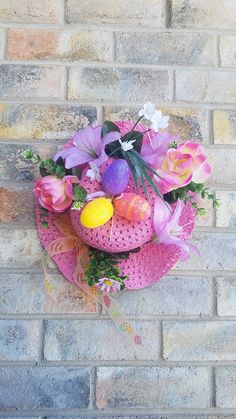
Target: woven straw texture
x,y
118,234
144,268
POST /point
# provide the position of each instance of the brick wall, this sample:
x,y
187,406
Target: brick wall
x,y
64,64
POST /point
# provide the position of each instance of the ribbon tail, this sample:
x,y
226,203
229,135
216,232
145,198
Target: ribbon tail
x,y
113,310
70,242
46,281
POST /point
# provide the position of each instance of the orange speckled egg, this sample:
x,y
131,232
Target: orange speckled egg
x,y
133,207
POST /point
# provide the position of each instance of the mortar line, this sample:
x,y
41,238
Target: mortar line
x,y
172,86
113,48
124,363
63,13
217,49
119,104
213,386
111,412
168,15
4,44
210,387
41,343
93,379
214,210
161,342
215,301
65,83
105,27
115,65
209,128
89,317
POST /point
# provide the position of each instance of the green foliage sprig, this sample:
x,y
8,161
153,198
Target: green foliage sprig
x,y
184,194
103,265
80,195
47,166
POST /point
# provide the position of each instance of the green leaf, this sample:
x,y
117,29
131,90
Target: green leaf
x,y
60,172
132,168
43,172
143,163
192,187
199,187
138,173
79,193
27,154
144,186
53,171
109,126
146,175
152,184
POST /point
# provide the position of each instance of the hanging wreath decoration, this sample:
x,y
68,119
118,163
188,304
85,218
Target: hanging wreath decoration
x,y
117,204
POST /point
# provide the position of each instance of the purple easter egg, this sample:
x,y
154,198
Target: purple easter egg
x,y
116,177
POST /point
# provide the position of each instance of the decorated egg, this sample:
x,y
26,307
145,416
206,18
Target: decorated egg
x,y
132,207
115,179
96,213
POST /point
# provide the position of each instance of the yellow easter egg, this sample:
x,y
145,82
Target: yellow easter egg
x,y
96,213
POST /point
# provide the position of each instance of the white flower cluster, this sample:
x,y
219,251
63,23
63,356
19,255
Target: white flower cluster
x,y
155,116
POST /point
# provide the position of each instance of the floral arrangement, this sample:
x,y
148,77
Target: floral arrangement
x,y
123,185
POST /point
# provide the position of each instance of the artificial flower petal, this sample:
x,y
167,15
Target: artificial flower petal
x,y
167,227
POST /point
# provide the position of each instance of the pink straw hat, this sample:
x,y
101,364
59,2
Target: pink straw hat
x,y
143,267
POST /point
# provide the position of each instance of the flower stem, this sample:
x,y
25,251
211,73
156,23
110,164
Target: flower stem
x,y
136,123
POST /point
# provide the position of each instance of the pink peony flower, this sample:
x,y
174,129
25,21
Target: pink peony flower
x,y
55,194
108,285
86,146
155,150
167,227
181,166
202,168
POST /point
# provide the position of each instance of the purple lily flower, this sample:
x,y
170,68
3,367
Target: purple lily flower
x,y
167,227
87,145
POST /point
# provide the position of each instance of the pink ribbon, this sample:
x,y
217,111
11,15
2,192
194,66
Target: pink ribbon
x,y
71,241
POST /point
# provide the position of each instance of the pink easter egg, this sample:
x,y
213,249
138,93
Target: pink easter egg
x,y
133,207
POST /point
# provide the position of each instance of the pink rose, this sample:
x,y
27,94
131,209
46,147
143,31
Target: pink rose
x,y
188,163
55,194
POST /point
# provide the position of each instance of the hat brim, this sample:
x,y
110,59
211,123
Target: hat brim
x,y
149,265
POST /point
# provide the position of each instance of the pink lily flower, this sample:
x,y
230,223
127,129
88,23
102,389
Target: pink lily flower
x,y
86,146
167,227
